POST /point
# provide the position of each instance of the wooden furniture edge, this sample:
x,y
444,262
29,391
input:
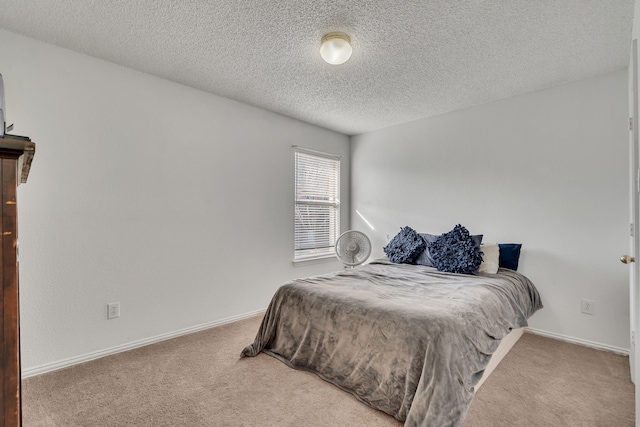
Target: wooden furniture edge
x,y
24,149
16,155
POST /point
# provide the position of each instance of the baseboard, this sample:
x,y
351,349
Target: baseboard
x,y
579,341
49,367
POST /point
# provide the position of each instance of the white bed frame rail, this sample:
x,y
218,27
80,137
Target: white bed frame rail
x,y
505,345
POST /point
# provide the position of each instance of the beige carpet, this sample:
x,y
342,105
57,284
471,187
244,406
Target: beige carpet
x,y
198,380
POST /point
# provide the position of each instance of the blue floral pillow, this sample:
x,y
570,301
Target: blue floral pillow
x,y
456,252
425,257
405,246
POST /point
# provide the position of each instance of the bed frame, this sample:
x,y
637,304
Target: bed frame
x,y
505,345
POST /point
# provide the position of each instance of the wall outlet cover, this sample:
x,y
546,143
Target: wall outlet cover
x,y
113,310
588,306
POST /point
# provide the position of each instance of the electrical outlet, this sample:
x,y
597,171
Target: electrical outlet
x,y
588,306
113,310
633,338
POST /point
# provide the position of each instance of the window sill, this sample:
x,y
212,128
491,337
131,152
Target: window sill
x,y
314,260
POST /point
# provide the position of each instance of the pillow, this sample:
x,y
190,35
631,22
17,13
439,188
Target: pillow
x,y
405,246
456,252
509,255
425,257
490,258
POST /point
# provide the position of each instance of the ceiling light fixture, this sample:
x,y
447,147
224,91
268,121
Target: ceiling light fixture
x,y
336,48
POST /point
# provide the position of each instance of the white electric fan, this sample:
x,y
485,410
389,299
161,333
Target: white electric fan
x,y
353,248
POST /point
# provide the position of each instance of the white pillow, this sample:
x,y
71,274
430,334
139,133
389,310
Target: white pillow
x,y
490,259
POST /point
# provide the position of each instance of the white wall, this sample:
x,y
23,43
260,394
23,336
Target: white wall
x,y
547,169
176,203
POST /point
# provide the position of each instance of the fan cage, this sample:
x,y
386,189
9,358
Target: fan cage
x,y
353,248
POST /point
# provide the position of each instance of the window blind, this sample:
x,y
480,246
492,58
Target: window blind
x,y
317,205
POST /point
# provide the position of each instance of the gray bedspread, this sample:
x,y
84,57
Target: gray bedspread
x,y
405,339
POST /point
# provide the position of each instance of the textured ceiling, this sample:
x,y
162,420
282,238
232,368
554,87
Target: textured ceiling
x,y
411,59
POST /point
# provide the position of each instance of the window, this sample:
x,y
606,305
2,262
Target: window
x,y
317,204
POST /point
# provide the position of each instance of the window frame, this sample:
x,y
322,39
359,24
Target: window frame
x,y
313,254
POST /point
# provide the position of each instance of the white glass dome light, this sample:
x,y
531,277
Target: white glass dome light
x,y
336,48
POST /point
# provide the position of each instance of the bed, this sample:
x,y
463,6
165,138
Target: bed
x,y
408,340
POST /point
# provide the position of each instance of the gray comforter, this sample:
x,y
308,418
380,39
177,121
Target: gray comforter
x,y
405,339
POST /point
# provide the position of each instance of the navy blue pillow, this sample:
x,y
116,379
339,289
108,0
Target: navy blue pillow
x,y
425,257
405,246
456,252
509,255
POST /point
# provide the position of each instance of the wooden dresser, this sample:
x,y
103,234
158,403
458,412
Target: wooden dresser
x,y
16,154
